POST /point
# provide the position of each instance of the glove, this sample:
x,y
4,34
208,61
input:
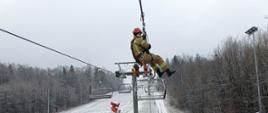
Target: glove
x,y
149,47
144,36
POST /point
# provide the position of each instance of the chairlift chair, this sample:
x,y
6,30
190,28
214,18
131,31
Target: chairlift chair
x,y
124,88
148,88
151,89
101,93
125,67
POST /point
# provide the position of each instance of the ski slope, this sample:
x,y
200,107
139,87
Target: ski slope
x,y
126,105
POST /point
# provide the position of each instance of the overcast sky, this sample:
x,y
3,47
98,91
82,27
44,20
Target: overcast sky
x,y
99,31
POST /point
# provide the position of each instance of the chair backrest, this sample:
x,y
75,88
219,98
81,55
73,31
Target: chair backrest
x,y
151,89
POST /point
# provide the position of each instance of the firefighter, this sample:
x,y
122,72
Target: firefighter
x,y
140,50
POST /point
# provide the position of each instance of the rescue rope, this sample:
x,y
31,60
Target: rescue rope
x,y
143,21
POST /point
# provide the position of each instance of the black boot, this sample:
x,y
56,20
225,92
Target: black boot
x,y
159,72
170,73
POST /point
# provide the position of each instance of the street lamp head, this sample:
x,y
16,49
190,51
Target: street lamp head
x,y
251,30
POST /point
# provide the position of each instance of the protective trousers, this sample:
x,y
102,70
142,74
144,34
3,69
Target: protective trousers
x,y
154,60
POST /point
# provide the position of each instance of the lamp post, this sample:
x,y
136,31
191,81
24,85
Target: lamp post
x,y
250,32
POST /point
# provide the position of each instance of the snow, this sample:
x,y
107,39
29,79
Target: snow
x,y
161,107
126,102
103,105
126,105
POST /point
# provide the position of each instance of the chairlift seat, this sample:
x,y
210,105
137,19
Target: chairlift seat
x,y
101,93
124,88
151,89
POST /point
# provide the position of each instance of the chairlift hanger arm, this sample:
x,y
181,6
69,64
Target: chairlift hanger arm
x,y
129,73
119,63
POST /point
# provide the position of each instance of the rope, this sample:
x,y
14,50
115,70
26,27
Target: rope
x,y
143,20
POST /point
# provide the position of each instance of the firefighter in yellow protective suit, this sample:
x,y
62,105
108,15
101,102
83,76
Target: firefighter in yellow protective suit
x,y
140,50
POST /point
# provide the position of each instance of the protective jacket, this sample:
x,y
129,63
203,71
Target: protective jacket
x,y
139,47
140,50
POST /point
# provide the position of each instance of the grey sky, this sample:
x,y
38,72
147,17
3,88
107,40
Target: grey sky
x,y
99,31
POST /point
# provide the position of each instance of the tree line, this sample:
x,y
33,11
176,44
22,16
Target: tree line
x,y
25,89
224,82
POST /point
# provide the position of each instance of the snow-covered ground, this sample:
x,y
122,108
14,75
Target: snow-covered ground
x,y
126,101
103,105
172,109
126,105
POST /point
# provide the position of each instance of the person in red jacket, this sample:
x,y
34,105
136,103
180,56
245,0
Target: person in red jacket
x,y
115,107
